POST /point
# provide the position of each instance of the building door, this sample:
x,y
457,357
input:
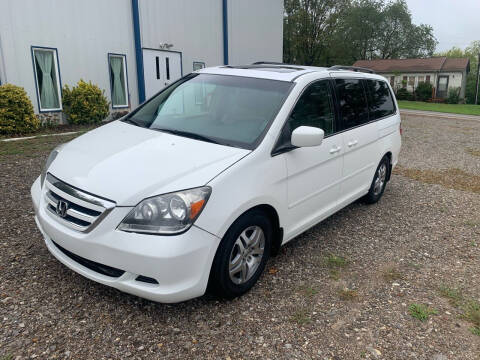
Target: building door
x,y
160,69
442,88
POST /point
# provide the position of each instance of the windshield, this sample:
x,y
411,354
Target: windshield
x,y
228,110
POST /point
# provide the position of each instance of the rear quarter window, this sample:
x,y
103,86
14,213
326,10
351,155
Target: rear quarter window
x,y
380,101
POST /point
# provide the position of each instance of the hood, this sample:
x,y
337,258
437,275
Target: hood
x,y
127,163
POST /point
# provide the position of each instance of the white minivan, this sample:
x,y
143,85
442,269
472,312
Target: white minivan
x,y
198,186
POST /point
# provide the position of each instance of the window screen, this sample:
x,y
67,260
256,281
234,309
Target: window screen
x,y
380,102
352,102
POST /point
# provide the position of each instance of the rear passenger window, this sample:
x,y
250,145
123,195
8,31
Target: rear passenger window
x,y
352,102
380,102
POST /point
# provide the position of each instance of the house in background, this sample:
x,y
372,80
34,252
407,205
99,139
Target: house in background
x,y
130,48
442,72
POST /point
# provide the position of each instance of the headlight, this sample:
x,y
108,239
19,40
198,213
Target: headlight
x,y
49,161
168,214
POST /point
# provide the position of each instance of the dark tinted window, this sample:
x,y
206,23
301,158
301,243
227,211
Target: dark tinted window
x,y
352,102
314,108
380,102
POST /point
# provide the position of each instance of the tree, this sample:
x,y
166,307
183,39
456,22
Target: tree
x,y
342,31
307,26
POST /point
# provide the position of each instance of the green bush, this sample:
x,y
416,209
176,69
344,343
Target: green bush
x,y
16,111
403,94
85,103
453,96
423,92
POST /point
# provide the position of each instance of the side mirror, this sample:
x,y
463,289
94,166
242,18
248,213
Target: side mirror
x,y
305,136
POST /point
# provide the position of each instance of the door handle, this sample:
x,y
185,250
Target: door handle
x,y
352,143
335,149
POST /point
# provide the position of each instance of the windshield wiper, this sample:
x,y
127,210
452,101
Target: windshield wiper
x,y
187,134
133,122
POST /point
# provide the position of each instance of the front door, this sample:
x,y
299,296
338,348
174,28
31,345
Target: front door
x,y
442,88
160,69
314,173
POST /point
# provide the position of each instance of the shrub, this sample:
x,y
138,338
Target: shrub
x,y
16,111
85,103
453,96
403,94
423,91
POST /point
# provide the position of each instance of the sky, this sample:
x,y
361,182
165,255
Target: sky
x,y
454,22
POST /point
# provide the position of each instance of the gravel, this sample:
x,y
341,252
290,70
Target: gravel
x,y
418,238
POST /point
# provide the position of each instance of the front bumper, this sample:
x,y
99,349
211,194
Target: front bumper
x,y
180,264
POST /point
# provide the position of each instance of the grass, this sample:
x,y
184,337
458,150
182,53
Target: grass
x,y
471,313
308,291
463,109
453,178
454,295
6,357
55,129
392,274
31,148
301,317
335,263
421,312
470,308
348,294
473,152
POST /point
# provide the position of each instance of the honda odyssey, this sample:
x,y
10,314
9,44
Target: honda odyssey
x,y
199,185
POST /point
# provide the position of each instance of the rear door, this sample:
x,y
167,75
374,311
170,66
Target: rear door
x,y
314,173
160,69
360,137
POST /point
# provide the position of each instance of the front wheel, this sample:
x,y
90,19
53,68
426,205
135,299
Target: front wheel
x,y
241,256
379,181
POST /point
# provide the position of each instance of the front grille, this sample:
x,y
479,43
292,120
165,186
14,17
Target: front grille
x,y
74,208
92,265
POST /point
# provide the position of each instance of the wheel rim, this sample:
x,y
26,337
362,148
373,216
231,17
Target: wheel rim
x,y
380,179
246,254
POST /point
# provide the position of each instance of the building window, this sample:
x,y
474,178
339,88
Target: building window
x,y
197,65
421,79
47,78
117,66
427,79
411,80
404,82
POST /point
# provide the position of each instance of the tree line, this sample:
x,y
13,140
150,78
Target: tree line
x,y
329,32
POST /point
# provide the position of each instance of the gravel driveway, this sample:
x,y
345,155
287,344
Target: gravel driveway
x,y
346,289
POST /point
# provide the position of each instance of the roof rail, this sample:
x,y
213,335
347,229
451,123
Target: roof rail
x,y
351,68
268,63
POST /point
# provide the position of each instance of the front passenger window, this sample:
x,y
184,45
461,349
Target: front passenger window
x,y
314,108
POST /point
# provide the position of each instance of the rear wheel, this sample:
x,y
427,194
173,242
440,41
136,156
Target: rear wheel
x,y
242,255
379,181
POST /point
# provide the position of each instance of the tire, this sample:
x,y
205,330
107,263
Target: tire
x,y
234,272
379,182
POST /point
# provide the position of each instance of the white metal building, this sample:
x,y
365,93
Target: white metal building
x,y
130,48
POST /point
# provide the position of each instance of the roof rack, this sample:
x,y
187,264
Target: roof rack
x,y
351,68
268,63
